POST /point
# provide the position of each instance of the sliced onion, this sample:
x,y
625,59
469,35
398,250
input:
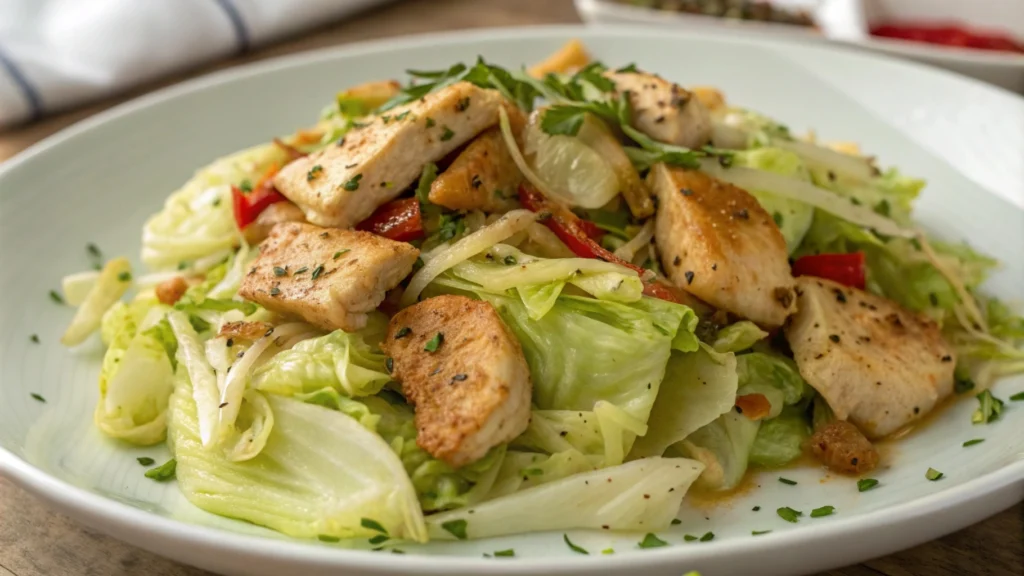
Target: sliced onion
x,y
730,137
248,443
794,189
204,381
856,167
642,238
595,134
466,248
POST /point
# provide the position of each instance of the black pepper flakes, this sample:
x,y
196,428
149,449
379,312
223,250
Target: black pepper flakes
x,y
689,277
274,291
834,338
686,192
742,214
403,332
476,182
947,358
840,296
459,378
677,261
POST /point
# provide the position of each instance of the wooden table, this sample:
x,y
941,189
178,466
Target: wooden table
x,y
35,541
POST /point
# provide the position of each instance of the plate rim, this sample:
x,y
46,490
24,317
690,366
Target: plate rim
x,y
97,510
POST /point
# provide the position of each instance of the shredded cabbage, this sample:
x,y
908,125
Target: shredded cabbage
x,y
113,282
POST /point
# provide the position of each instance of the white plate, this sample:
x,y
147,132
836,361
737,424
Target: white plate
x,y
99,180
848,22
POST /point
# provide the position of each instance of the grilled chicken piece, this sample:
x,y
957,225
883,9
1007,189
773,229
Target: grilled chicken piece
x,y
663,110
170,291
342,185
718,243
483,176
244,330
711,97
276,213
473,391
843,448
331,278
876,364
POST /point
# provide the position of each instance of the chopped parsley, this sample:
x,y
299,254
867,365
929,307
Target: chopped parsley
x,y
865,484
317,271
652,541
631,67
353,184
56,297
278,271
145,460
777,216
93,250
245,186
690,538
339,253
505,553
451,226
456,528
462,104
371,524
274,290
301,270
402,116
707,537
327,538
787,481
125,276
573,547
378,539
447,134
315,171
510,260
163,472
973,442
759,532
427,177
933,474
989,410
1018,397
823,511
38,398
789,515
403,332
756,508
607,551
34,338
676,521
434,342
430,122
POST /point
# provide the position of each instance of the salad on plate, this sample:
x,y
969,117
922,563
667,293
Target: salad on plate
x,y
494,301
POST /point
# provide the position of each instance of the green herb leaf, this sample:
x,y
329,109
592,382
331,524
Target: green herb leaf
x,y
989,410
38,398
452,225
301,270
353,184
690,538
788,514
145,460
505,553
371,524
574,547
510,260
56,297
327,538
787,481
676,521
563,120
339,253
456,528
403,332
652,541
865,484
823,511
378,539
1018,397
607,551
427,177
245,186
278,271
447,134
430,122
756,508
34,338
973,442
631,67
317,271
125,276
759,532
707,537
315,171
434,342
163,472
933,474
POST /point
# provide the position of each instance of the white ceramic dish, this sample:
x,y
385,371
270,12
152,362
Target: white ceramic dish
x,y
98,181
849,21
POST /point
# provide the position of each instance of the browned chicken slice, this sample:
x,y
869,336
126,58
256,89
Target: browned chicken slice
x,y
331,278
465,373
258,230
877,364
342,185
244,330
483,176
170,291
718,243
663,110
843,448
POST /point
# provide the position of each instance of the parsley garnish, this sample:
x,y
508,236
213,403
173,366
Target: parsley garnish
x,y
756,508
652,541
787,481
378,539
574,547
690,538
301,270
631,67
865,484
505,553
125,276
777,216
510,260
933,474
607,551
788,514
317,271
1018,397
371,524
434,342
430,122
707,537
989,410
399,117
451,226
447,134
676,521
759,532
163,472
462,104
315,171
274,290
353,184
278,271
245,186
339,253
145,460
327,538
973,442
56,297
456,528
427,177
38,398
823,511
34,338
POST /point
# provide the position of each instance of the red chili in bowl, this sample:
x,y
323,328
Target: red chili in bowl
x,y
949,35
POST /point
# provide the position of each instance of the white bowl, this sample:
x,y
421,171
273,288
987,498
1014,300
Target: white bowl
x,y
848,21
97,182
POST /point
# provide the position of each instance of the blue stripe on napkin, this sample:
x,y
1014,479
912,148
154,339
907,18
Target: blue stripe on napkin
x,y
35,103
241,30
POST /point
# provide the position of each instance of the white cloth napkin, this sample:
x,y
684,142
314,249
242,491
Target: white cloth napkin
x,y
55,54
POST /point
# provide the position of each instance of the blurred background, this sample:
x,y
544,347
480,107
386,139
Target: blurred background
x,y
61,60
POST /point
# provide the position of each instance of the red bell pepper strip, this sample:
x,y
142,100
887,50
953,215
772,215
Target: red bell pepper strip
x,y
754,406
567,227
248,206
591,230
398,220
846,269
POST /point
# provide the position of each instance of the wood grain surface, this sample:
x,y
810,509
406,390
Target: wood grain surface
x,y
35,541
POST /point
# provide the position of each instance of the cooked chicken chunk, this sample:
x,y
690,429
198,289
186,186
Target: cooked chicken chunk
x,y
663,110
843,448
258,230
342,185
464,372
331,278
717,243
711,97
483,176
170,291
876,364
